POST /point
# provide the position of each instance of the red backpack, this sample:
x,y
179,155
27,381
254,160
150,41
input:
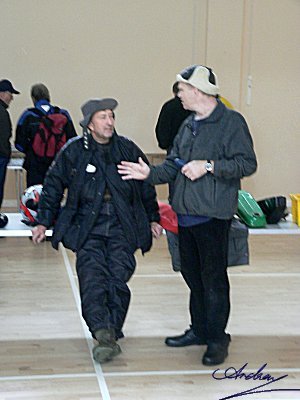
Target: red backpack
x,y
50,135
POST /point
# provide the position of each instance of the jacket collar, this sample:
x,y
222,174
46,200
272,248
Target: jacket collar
x,y
3,104
44,106
217,114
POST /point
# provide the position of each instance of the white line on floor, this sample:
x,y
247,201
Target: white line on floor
x,y
99,373
194,372
240,275
136,373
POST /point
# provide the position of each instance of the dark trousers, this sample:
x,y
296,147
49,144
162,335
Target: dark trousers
x,y
36,173
203,252
104,266
3,164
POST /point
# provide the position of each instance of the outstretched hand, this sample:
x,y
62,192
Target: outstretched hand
x,y
130,170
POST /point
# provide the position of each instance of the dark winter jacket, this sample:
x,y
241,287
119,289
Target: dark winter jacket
x,y
135,201
5,131
223,137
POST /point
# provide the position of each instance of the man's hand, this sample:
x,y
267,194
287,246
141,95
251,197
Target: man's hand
x,y
130,170
194,169
156,230
38,234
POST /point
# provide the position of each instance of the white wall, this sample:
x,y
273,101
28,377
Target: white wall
x,y
132,50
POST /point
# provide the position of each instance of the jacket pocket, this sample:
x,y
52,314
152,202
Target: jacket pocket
x,y
89,189
66,230
70,237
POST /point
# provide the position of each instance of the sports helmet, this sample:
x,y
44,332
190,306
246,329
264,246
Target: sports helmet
x,y
29,203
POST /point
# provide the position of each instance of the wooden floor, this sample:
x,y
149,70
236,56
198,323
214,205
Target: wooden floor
x,y
45,346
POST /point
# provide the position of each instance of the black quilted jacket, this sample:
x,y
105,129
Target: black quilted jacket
x,y
135,201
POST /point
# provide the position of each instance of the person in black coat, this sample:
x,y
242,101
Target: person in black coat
x,y
170,118
7,92
105,220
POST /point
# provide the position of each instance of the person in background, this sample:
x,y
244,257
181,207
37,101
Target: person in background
x,y
105,220
212,152
7,92
171,116
27,127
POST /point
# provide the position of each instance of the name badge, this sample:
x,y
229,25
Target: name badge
x,y
90,168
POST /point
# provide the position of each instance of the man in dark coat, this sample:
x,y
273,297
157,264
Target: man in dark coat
x,y
105,220
215,150
171,116
6,96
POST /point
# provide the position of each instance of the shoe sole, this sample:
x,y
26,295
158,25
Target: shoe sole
x,y
184,345
211,364
103,354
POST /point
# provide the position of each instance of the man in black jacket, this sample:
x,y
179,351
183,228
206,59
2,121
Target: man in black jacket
x,y
171,116
105,220
6,96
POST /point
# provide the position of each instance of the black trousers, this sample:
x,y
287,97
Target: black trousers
x,y
104,265
36,173
203,252
3,165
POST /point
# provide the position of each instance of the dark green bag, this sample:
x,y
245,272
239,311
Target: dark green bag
x,y
249,211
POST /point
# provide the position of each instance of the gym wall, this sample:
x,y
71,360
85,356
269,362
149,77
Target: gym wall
x,y
132,50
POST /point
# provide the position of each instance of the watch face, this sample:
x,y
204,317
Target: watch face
x,y
208,167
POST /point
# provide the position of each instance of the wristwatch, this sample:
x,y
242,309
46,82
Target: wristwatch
x,y
208,166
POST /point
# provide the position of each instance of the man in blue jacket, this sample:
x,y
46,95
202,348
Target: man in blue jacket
x,y
212,152
105,220
27,127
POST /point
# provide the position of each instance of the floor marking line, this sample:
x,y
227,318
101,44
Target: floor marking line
x,y
241,275
47,377
194,372
99,373
135,373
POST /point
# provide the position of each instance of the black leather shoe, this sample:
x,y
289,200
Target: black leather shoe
x,y
187,339
216,353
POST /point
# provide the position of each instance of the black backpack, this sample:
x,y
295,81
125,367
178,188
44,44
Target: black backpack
x,y
274,208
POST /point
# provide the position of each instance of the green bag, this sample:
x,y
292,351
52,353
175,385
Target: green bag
x,y
249,211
